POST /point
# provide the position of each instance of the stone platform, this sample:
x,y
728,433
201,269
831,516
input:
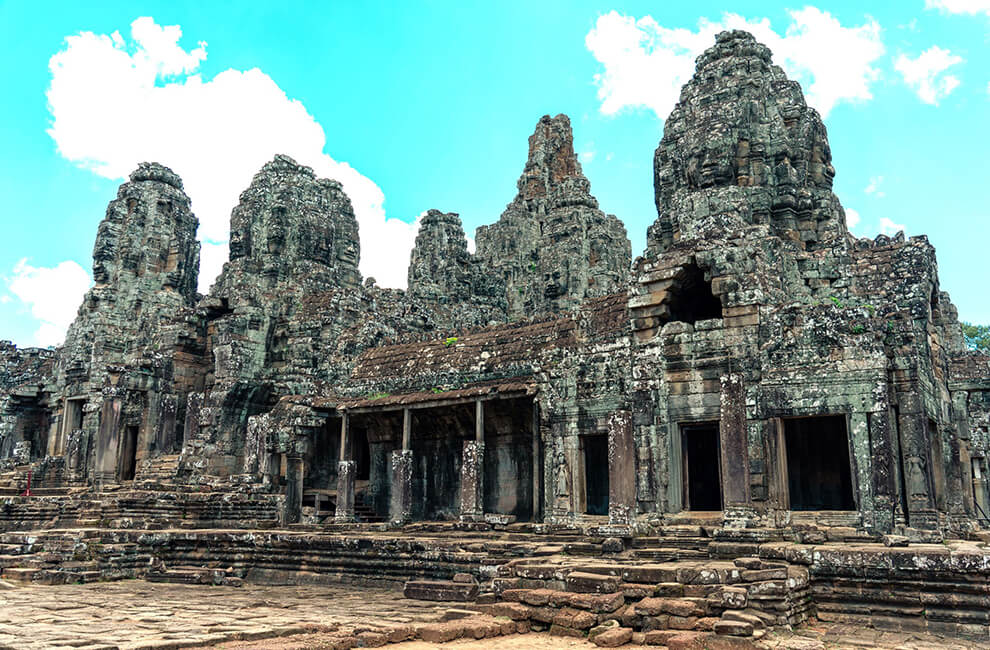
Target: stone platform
x,y
555,579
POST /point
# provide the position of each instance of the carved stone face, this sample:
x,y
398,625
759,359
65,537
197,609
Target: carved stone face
x,y
555,284
347,253
276,231
240,243
100,273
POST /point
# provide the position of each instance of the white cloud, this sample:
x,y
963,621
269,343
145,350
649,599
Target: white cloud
x,y
588,154
52,295
971,7
116,102
925,74
873,187
888,227
852,218
645,63
212,255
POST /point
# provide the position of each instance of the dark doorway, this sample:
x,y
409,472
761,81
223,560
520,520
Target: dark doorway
x,y
818,471
596,474
691,297
702,481
128,453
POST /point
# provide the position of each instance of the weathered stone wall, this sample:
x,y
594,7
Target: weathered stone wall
x,y
24,422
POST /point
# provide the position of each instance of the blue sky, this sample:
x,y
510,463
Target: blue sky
x,y
428,105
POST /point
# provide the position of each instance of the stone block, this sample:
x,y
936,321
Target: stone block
x,y
733,628
444,590
614,638
591,583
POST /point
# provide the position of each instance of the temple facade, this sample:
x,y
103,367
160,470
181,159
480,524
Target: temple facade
x,y
757,366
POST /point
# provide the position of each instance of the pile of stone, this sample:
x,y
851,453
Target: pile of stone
x,y
612,604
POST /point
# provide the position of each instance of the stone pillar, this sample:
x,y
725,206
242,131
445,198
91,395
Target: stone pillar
x,y
962,466
473,469
400,506
736,500
621,469
345,492
346,470
981,499
295,472
473,481
917,463
884,469
537,463
108,441
862,467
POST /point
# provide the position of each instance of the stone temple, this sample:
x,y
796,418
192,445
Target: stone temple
x,y
759,420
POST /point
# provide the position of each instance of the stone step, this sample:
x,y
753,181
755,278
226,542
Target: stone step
x,y
20,575
440,590
669,554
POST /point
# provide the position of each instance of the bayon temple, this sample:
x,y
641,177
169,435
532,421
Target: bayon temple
x,y
760,389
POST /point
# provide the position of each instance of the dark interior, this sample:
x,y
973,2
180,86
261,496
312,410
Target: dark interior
x,y
819,476
691,297
596,474
128,454
437,443
701,467
508,484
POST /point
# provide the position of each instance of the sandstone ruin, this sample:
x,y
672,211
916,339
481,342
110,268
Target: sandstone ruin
x,y
761,419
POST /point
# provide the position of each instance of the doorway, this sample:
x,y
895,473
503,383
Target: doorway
x,y
702,467
128,453
818,469
596,474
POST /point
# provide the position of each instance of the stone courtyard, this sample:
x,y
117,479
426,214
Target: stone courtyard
x,y
134,615
760,432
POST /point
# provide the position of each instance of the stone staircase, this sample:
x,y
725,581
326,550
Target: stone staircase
x,y
160,469
70,556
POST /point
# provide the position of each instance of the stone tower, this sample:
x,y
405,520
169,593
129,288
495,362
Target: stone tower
x,y
287,221
742,145
441,268
553,246
145,269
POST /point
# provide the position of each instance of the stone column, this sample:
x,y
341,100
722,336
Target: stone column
x,y
537,462
884,469
621,469
400,506
345,492
400,503
472,481
346,470
473,469
862,468
295,472
736,500
917,462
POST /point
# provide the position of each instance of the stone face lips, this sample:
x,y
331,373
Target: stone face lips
x,y
742,147
553,246
441,268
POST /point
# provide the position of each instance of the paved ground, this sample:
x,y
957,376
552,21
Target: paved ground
x,y
136,614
